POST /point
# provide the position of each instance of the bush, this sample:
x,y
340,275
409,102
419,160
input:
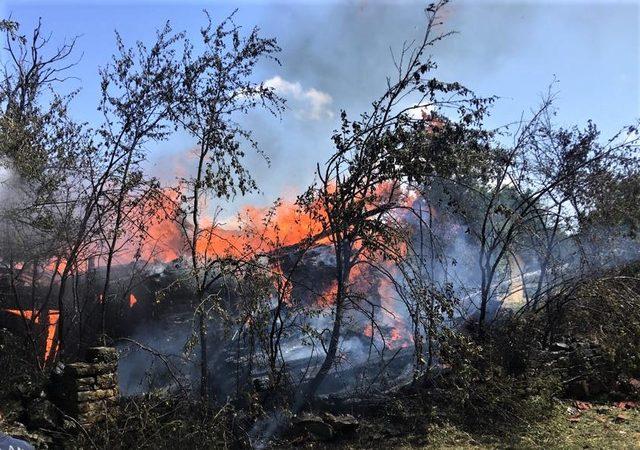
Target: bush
x,y
161,421
607,312
495,387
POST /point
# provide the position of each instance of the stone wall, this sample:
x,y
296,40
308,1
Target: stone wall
x,y
87,390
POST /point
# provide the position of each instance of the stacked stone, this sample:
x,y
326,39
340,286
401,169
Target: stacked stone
x,y
89,389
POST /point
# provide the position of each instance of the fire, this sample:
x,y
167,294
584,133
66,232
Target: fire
x,y
255,230
282,285
399,336
288,225
366,283
328,297
261,230
394,340
164,240
132,299
258,230
62,264
51,345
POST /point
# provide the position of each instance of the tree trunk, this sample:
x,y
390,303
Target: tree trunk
x,y
343,268
204,360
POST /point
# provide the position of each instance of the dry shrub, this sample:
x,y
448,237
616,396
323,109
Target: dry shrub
x,y
495,388
162,421
605,312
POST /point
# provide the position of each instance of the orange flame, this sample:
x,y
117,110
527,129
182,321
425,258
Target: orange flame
x,y
51,345
328,297
399,336
256,230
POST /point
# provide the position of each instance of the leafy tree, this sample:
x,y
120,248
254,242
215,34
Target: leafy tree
x,y
365,182
137,98
215,89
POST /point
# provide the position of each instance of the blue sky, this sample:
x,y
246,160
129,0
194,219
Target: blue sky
x,y
336,56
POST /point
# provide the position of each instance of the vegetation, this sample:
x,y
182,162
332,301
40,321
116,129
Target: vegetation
x,y
497,268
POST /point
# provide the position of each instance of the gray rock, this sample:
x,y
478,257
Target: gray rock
x,y
107,381
58,369
313,425
96,394
341,424
80,384
559,347
102,355
92,408
82,370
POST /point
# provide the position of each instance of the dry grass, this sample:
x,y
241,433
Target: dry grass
x,y
598,428
601,427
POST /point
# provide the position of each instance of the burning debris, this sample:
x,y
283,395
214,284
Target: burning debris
x,y
51,321
433,268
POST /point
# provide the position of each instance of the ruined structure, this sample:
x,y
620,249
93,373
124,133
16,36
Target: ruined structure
x,y
86,390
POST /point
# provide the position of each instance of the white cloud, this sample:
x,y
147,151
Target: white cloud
x,y
309,103
420,111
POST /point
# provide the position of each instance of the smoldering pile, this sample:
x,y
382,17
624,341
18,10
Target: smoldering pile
x,y
367,360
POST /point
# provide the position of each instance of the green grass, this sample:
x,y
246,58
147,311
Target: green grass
x,y
597,428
